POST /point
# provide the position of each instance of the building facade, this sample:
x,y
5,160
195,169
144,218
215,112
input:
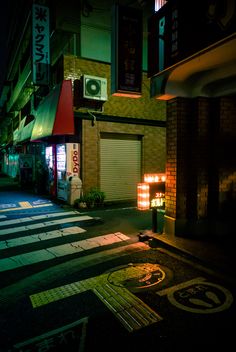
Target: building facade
x,y
117,139
194,70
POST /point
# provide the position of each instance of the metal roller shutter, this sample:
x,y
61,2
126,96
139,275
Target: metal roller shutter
x,y
120,168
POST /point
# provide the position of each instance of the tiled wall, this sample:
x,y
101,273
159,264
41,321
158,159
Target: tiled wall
x,y
153,138
201,161
227,149
143,108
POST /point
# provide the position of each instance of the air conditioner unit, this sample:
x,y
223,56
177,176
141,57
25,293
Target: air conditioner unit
x,y
94,88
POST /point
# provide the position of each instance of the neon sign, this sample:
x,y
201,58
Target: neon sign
x,y
158,201
151,193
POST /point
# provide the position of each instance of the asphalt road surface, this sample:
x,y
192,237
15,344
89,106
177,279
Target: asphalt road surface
x,y
83,281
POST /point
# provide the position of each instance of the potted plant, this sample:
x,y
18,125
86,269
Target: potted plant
x,y
80,202
94,197
89,199
98,196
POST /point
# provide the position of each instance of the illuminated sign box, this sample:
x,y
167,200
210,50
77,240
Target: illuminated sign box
x,y
126,51
157,195
151,193
153,178
40,45
143,201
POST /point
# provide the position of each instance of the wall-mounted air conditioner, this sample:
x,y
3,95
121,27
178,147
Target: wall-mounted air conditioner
x,y
94,88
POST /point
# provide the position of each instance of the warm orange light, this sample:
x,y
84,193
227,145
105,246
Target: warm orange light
x,y
127,95
143,202
157,202
165,97
150,178
163,178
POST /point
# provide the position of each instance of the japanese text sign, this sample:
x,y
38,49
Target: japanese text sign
x,y
157,195
40,44
127,40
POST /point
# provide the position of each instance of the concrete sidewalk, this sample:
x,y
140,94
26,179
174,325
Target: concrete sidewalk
x,y
8,183
216,254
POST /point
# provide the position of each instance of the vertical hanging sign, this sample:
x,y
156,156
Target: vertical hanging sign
x,y
126,55
40,44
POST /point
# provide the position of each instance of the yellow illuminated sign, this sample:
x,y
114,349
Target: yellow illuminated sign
x,y
158,201
151,193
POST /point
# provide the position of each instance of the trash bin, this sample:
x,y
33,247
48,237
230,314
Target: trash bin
x,y
74,188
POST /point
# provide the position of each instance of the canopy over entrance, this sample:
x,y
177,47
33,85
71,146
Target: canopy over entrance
x,y
54,115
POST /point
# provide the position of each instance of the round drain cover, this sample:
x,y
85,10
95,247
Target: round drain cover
x,y
137,276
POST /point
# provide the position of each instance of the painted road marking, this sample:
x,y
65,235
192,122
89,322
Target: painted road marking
x,y
199,296
42,205
40,201
22,208
43,236
38,217
59,251
25,205
7,205
131,311
67,338
16,291
181,285
141,276
44,224
10,294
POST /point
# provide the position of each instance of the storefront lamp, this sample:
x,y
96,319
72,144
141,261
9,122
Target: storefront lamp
x,y
151,193
143,202
153,178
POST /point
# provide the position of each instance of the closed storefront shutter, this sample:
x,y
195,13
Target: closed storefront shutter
x,y
120,167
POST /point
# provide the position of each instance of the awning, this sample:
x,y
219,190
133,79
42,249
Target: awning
x,y
24,131
210,73
54,115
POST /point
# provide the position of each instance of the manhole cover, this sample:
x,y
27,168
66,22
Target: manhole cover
x,y
138,276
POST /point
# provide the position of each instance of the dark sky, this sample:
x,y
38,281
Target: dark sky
x,y
5,7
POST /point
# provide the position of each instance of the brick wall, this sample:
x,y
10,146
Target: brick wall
x,y
144,107
171,157
201,164
153,138
202,145
227,148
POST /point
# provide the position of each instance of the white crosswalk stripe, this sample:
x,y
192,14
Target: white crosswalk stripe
x,y
36,217
59,251
43,236
28,246
43,224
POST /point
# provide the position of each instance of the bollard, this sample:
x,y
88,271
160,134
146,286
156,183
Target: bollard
x,y
154,220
